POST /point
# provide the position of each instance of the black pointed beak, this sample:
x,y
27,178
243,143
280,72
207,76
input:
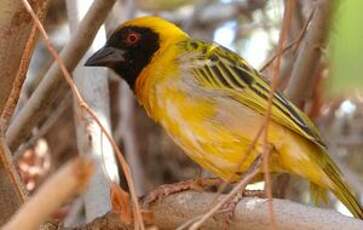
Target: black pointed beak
x,y
106,56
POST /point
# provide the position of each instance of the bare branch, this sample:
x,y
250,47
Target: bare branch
x,y
44,95
295,43
15,30
138,221
70,180
303,73
18,81
16,41
93,85
12,192
250,213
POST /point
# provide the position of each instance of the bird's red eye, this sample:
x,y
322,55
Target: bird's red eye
x,y
132,38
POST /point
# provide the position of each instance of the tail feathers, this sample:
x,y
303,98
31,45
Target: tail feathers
x,y
318,194
343,192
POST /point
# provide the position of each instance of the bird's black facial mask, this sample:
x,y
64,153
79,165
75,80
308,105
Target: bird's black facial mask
x,y
127,52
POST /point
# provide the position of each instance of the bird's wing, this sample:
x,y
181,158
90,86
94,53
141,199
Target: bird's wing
x,y
216,67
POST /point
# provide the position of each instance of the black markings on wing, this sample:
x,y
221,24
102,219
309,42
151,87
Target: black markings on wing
x,y
226,70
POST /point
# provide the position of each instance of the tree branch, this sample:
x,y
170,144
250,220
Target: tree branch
x,y
251,213
138,221
45,94
15,32
303,73
65,184
11,188
93,85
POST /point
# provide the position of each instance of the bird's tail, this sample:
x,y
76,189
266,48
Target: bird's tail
x,y
342,191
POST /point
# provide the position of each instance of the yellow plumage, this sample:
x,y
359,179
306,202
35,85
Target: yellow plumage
x,y
212,103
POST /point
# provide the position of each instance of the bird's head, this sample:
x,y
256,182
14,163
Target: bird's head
x,y
131,46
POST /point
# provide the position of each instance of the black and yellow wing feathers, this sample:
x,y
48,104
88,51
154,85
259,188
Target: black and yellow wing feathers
x,y
220,68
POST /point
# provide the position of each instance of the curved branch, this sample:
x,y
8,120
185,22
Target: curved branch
x,y
250,213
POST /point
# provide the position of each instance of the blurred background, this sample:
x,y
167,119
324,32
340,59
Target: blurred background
x,y
249,27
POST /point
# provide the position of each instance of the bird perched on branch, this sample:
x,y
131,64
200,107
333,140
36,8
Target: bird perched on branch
x,y
213,103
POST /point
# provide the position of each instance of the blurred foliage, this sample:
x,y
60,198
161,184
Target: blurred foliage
x,y
347,47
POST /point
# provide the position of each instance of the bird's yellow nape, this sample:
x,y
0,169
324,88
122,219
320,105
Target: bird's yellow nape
x,y
166,30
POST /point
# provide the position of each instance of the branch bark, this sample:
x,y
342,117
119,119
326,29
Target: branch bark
x,y
71,179
93,85
302,78
15,46
15,30
251,213
45,94
11,189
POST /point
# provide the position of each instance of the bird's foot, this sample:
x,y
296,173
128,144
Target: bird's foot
x,y
168,189
229,207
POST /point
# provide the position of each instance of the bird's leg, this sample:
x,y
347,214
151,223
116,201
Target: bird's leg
x,y
165,190
230,206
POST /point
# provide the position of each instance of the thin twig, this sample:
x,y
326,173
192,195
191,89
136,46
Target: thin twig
x,y
45,126
94,89
248,176
136,208
251,146
295,43
264,129
196,218
274,82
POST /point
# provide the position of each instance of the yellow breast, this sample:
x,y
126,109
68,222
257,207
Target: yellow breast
x,y
213,130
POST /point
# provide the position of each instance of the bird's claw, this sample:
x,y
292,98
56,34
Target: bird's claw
x,y
168,189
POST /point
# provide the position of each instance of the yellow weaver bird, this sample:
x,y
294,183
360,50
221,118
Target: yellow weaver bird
x,y
212,103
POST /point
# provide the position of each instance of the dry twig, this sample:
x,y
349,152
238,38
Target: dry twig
x,y
274,82
292,44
